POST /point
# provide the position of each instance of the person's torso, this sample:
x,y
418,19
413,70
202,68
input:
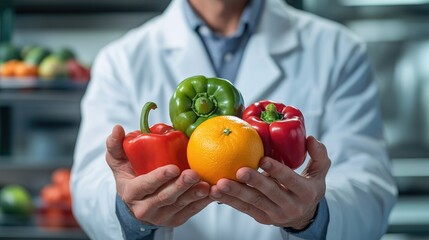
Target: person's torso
x,y
300,76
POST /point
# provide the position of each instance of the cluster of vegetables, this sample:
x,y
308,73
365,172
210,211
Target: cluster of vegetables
x,y
41,62
56,203
212,131
53,209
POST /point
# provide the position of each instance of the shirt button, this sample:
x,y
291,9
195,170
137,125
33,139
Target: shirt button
x,y
204,30
228,57
142,229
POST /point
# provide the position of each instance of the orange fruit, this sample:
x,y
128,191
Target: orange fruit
x,y
8,68
24,70
220,146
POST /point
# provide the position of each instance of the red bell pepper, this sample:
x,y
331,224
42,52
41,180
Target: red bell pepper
x,y
281,129
148,149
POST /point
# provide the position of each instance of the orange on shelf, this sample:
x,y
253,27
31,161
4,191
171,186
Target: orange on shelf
x,y
18,69
23,70
8,68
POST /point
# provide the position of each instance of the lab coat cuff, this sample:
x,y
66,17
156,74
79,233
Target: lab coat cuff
x,y
318,227
132,228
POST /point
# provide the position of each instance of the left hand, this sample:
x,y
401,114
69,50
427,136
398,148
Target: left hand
x,y
279,196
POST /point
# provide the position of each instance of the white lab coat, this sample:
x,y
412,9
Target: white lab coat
x,y
293,57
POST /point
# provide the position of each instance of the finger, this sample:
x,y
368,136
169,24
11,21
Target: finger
x,y
283,174
197,192
247,194
115,155
242,206
182,216
138,188
114,143
264,184
171,192
319,163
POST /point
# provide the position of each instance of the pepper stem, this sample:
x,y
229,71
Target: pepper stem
x,y
204,105
144,117
270,114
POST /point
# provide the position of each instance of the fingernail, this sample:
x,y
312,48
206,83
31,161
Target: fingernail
x,y
244,177
200,194
189,180
266,165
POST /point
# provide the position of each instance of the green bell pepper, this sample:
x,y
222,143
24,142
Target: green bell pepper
x,y
198,98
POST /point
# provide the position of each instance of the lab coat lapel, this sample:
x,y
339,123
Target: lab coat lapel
x,y
259,72
184,51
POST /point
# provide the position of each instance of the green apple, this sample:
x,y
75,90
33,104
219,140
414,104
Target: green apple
x,y
36,55
52,68
15,201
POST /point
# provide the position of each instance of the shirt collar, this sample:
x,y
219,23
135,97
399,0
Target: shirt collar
x,y
249,17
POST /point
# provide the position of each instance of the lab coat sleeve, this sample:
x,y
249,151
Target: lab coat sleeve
x,y
360,188
108,101
317,229
93,186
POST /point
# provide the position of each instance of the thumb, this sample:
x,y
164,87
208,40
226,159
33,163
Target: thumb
x,y
115,154
319,160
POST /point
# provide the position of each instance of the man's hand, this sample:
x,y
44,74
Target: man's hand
x,y
278,196
163,197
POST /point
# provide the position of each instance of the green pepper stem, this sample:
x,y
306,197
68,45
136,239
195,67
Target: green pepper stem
x,y
270,114
204,105
144,117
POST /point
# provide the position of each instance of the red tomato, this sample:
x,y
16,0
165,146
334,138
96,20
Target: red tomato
x,y
61,176
51,194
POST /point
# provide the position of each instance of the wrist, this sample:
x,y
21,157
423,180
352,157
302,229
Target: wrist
x,y
303,223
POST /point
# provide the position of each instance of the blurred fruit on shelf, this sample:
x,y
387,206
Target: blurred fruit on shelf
x,y
61,179
61,176
58,190
24,70
36,55
26,49
51,194
8,51
16,201
77,71
65,54
52,68
35,61
18,69
56,208
7,69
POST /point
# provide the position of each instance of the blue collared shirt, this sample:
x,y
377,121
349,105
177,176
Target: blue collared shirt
x,y
225,52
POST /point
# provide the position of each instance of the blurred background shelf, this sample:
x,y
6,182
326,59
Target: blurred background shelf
x,y
410,215
36,83
85,6
37,233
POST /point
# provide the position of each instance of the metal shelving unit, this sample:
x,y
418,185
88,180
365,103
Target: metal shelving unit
x,y
33,111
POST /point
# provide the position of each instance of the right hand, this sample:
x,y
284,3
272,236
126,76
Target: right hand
x,y
162,197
